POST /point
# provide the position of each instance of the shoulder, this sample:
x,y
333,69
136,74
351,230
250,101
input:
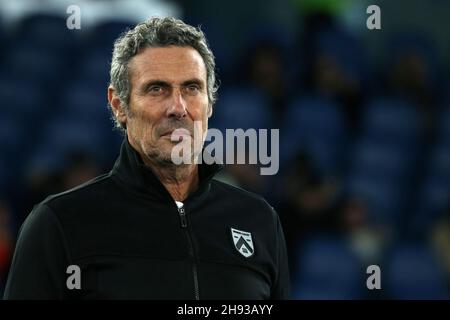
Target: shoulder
x,y
72,211
40,221
237,192
249,201
94,188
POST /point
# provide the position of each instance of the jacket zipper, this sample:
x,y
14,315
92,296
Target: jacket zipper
x,y
183,219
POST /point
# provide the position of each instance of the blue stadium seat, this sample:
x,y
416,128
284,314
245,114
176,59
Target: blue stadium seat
x,y
105,33
94,66
402,44
12,136
5,176
434,192
384,159
225,53
444,125
41,65
383,199
65,135
380,160
45,159
241,108
379,173
393,121
15,142
346,49
85,100
5,39
413,272
22,99
49,31
314,125
328,269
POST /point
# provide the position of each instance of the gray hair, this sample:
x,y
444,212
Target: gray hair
x,y
157,32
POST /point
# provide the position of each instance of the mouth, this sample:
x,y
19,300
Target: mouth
x,y
179,133
167,133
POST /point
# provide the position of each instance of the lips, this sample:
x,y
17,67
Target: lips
x,y
179,132
167,133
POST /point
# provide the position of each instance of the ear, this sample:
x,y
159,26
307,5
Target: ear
x,y
116,106
209,110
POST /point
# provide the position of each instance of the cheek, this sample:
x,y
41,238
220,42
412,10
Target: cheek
x,y
141,125
204,125
200,109
205,122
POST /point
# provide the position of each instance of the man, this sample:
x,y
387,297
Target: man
x,y
151,229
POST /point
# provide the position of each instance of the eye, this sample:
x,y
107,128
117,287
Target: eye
x,y
193,88
155,89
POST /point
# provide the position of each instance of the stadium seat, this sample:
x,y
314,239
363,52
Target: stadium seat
x,y
105,33
49,32
316,126
444,125
38,64
85,100
404,43
12,135
241,108
65,135
5,175
384,160
94,66
328,269
392,120
377,159
434,192
413,272
379,173
21,99
346,50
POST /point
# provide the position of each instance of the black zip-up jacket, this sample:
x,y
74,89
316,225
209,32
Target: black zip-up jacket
x,y
130,241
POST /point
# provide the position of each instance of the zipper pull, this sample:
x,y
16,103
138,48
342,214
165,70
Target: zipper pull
x,y
182,217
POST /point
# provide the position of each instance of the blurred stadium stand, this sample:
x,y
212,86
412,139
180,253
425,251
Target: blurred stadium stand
x,y
315,125
413,272
328,270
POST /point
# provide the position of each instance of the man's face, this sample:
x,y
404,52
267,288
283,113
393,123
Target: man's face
x,y
168,92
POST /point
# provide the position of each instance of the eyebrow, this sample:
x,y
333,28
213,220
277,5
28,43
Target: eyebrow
x,y
193,81
166,84
150,83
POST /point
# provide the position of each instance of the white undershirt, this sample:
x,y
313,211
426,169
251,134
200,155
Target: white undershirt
x,y
179,204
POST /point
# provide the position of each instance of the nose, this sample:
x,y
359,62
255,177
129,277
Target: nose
x,y
177,105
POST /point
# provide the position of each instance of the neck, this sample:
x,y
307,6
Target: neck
x,y
179,180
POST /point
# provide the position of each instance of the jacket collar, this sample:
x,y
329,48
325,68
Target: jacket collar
x,y
131,170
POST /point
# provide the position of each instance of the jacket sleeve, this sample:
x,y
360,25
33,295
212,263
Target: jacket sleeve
x,y
38,269
281,289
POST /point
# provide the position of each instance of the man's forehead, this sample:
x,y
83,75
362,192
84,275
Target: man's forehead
x,y
168,63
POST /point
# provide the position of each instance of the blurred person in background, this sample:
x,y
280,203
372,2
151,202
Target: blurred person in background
x,y
80,168
262,70
440,237
310,205
330,58
330,79
411,77
367,240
